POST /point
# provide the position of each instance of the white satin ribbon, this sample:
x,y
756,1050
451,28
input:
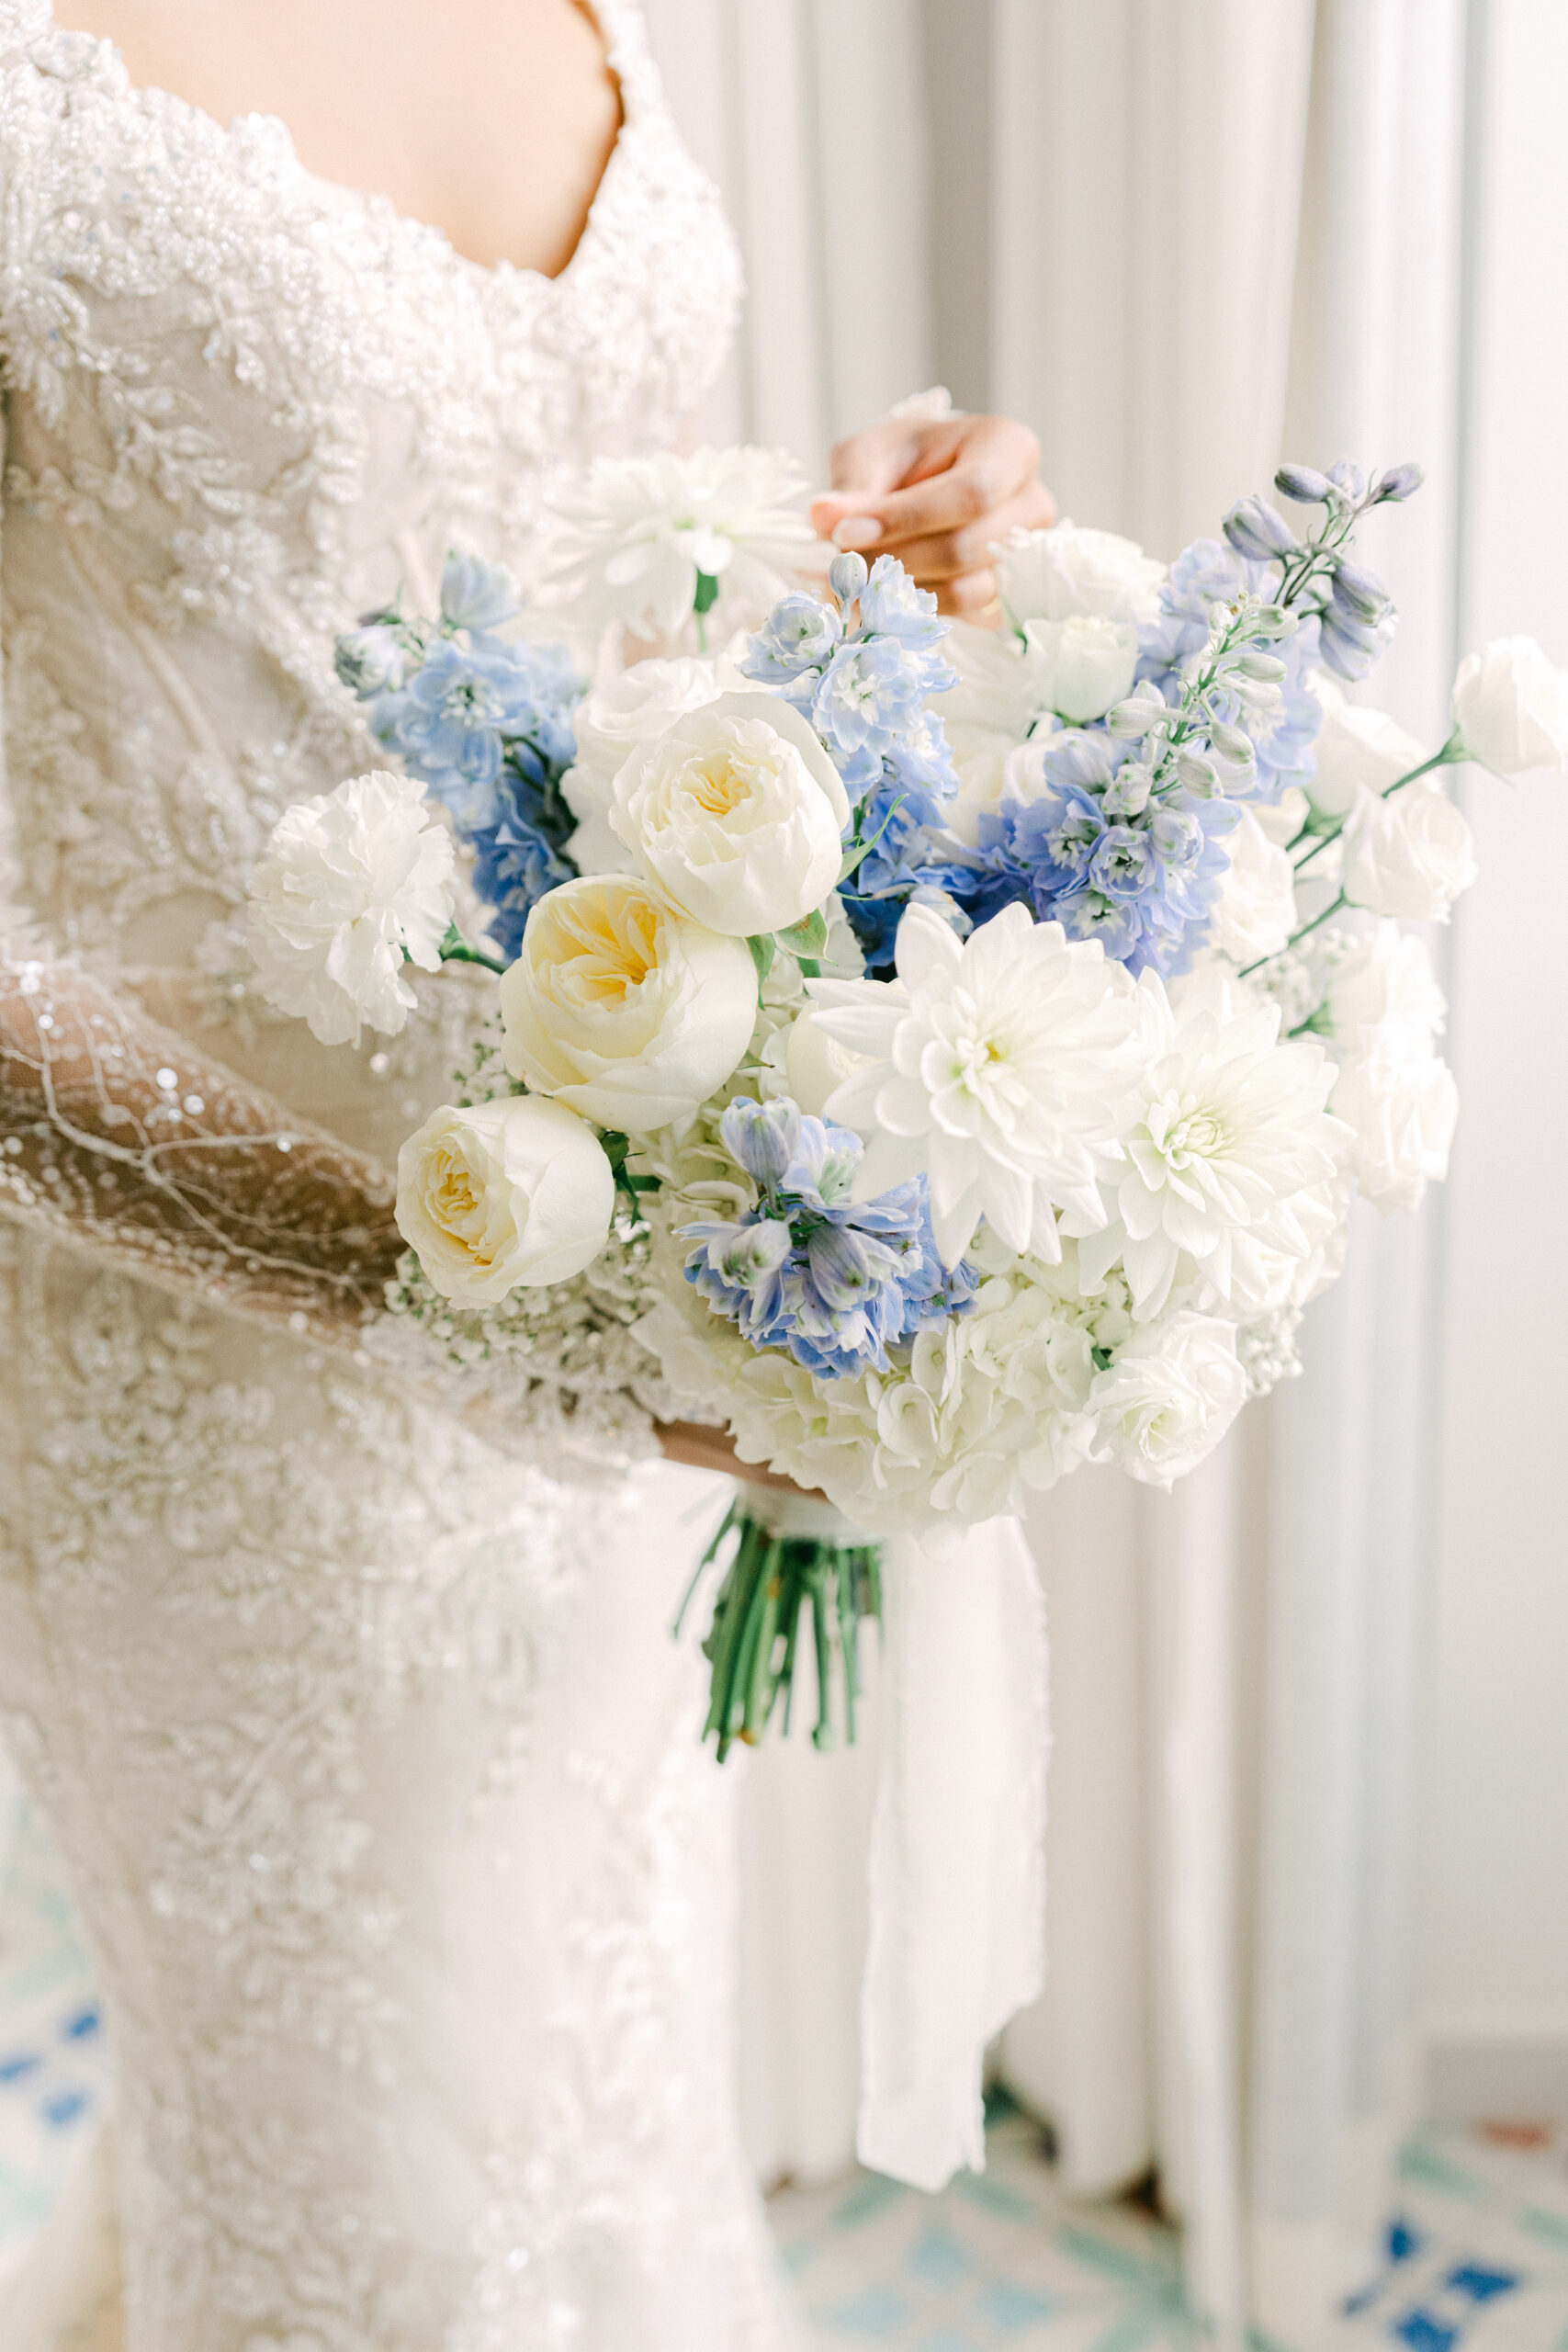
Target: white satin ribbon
x,y
958,1846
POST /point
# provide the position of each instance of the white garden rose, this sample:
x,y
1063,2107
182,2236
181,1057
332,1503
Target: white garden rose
x,y
1379,982
630,708
621,1008
1356,749
1401,1101
501,1196
351,885
1081,666
1511,707
1255,910
1056,574
1408,854
737,813
1168,1398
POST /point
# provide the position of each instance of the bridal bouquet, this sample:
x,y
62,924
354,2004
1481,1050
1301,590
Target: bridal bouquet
x,y
938,1057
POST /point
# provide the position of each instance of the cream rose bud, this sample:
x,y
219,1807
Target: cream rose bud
x,y
1408,854
1168,1398
1082,665
1356,749
1511,707
1255,910
623,1009
737,813
1402,1102
504,1195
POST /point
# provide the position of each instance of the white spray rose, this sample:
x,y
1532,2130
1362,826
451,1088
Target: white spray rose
x,y
1409,855
1511,707
1402,1101
630,708
1356,750
1053,575
351,885
621,1008
1255,910
505,1194
737,813
1168,1398
1080,667
1379,981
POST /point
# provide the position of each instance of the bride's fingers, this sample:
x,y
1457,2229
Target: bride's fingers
x,y
962,473
949,554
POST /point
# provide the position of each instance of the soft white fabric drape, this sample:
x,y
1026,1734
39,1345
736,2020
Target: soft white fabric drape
x,y
1180,239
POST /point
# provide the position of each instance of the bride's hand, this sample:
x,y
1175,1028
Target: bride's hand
x,y
709,1449
938,497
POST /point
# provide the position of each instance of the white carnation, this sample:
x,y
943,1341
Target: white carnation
x,y
352,886
1168,1398
630,542
1255,910
996,1068
1356,750
737,813
1411,853
1057,574
501,1196
1511,707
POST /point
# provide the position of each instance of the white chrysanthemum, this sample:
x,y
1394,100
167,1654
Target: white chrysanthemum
x,y
630,543
998,1068
1230,1128
351,885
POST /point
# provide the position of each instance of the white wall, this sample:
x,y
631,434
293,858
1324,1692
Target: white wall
x,y
1493,1913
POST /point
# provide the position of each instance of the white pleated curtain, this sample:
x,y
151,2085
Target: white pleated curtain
x,y
1181,238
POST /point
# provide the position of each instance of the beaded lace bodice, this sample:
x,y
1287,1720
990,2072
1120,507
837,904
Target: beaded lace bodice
x,y
371,1756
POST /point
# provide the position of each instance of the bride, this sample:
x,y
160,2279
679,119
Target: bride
x,y
372,1758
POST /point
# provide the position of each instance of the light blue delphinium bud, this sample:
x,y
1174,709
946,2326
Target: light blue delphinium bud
x,y
1303,483
847,575
1200,775
843,1266
1232,744
1359,592
755,1253
892,605
374,659
476,594
1398,481
801,633
1349,480
761,1138
1258,530
1350,646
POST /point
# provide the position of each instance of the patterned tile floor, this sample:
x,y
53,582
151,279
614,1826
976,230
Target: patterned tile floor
x,y
1475,2256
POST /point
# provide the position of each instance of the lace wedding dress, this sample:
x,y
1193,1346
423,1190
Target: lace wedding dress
x,y
374,1762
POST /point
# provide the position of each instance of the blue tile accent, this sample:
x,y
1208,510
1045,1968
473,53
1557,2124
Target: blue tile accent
x,y
876,2312
15,2070
1402,2240
936,2257
1425,2334
1472,2279
1006,2307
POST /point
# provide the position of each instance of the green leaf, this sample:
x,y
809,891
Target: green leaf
x,y
859,849
706,596
807,937
761,946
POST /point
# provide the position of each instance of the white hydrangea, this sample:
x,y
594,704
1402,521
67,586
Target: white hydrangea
x,y
350,887
630,542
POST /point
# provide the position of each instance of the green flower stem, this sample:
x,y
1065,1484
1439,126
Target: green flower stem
x,y
455,949
1451,751
753,1641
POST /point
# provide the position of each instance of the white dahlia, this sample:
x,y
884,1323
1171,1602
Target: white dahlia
x,y
997,1067
1229,1130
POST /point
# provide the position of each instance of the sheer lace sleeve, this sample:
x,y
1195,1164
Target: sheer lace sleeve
x,y
121,1138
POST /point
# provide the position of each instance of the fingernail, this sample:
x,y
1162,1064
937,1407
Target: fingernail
x,y
857,531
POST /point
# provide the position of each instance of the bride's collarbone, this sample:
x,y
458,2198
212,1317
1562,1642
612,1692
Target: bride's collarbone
x,y
492,121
